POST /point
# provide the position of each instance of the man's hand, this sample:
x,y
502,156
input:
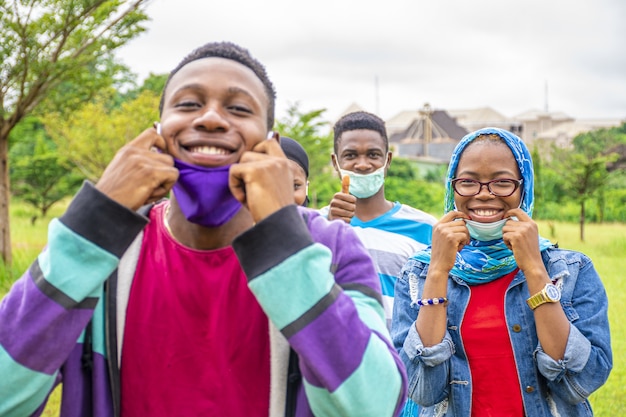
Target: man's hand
x,y
345,184
343,204
139,174
262,180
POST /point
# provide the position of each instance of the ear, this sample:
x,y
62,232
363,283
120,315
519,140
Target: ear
x,y
333,158
388,162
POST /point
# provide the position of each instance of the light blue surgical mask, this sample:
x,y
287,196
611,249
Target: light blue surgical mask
x,y
485,232
365,185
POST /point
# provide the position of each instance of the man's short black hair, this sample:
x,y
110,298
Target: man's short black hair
x,y
229,50
360,120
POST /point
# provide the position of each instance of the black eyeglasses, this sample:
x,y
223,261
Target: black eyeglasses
x,y
502,187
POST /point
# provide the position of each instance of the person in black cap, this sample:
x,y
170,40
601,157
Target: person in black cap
x,y
299,164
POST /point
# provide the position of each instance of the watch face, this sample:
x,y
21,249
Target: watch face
x,y
553,292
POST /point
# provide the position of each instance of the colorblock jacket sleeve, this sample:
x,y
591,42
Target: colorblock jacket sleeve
x,y
317,284
47,309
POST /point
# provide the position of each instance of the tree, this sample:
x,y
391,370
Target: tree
x,y
51,46
39,175
548,183
583,177
403,184
98,130
313,133
585,168
154,83
402,169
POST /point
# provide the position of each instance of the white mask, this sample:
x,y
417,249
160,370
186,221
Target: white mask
x,y
485,232
365,185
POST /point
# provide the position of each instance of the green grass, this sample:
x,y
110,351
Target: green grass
x,y
27,240
605,244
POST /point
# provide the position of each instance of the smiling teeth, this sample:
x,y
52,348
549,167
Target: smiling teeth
x,y
209,150
486,212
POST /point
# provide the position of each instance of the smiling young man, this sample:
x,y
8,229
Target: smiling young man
x,y
193,309
391,231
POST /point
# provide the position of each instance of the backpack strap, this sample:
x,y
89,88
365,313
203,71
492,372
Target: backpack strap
x,y
294,378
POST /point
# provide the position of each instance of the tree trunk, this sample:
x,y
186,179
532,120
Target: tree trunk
x,y
582,221
5,230
601,205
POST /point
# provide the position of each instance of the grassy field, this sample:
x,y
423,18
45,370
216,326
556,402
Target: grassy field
x,y
605,244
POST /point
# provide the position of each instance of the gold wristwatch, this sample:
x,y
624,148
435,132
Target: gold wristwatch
x,y
549,294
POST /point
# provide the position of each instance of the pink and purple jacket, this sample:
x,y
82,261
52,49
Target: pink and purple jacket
x,y
62,321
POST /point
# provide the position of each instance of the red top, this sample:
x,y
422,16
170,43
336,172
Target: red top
x,y
196,341
495,384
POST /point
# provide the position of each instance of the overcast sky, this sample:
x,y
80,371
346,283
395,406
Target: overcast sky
x,y
395,55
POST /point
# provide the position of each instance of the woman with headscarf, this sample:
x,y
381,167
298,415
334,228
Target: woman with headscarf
x,y
492,319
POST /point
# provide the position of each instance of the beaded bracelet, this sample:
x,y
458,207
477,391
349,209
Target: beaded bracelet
x,y
432,301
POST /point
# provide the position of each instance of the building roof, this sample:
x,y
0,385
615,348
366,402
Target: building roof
x,y
444,127
480,115
400,121
449,124
535,114
574,128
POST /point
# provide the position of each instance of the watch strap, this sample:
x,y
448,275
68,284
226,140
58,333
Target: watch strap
x,y
541,298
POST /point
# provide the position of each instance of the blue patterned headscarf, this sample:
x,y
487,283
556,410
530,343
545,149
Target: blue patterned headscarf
x,y
481,262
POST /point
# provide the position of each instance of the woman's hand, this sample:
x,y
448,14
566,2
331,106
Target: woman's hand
x,y
522,237
450,235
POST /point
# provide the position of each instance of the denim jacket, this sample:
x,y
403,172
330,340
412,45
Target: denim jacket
x,y
439,376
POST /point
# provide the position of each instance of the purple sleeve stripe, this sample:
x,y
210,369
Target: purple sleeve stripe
x,y
41,336
373,389
333,345
56,294
314,312
365,290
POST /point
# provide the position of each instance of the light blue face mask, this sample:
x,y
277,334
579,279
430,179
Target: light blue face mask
x,y
365,185
485,232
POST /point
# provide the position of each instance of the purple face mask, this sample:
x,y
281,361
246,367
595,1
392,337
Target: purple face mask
x,y
203,194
